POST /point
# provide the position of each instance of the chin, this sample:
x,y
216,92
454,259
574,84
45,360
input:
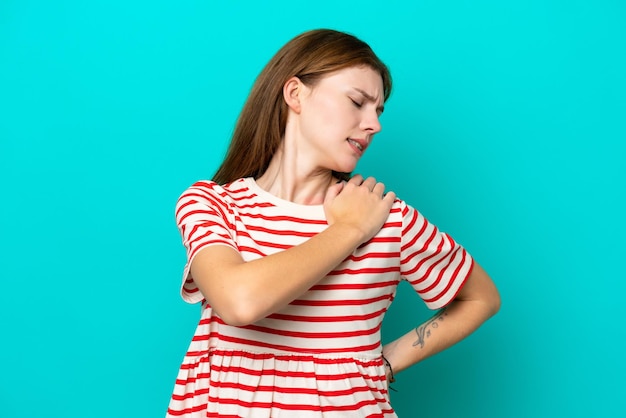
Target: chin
x,y
347,167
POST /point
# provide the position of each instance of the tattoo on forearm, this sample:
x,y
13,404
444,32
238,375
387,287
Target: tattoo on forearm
x,y
423,331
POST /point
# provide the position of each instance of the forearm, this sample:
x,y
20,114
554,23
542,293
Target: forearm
x,y
476,302
276,280
244,292
449,326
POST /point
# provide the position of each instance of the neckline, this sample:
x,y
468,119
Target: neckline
x,y
277,201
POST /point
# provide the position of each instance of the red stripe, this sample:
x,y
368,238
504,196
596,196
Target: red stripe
x,y
291,357
355,286
216,238
391,254
251,250
442,271
296,390
239,205
190,395
366,270
180,206
297,407
411,222
452,280
273,245
221,207
305,318
287,232
340,302
377,240
273,372
179,412
418,250
288,218
425,259
213,205
281,347
388,225
242,187
442,257
302,318
211,226
191,290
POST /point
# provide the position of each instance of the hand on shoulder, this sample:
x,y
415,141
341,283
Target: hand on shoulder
x,y
359,203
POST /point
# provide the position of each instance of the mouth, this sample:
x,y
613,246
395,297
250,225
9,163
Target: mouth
x,y
359,144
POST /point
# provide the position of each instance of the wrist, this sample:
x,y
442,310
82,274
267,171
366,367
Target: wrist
x,y
389,370
352,233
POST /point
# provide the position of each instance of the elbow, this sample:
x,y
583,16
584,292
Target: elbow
x,y
238,313
493,303
236,306
236,318
487,304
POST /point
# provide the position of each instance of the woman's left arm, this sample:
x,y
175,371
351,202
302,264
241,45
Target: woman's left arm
x,y
477,301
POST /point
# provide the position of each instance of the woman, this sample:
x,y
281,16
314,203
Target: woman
x,y
296,262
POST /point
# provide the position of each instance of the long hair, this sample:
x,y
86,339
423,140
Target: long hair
x,y
261,124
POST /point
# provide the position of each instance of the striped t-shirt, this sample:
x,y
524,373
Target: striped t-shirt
x,y
321,355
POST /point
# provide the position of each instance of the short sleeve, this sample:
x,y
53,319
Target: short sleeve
x,y
431,261
203,217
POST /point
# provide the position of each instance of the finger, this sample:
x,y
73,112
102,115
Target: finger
x,y
357,179
334,190
389,198
370,183
379,189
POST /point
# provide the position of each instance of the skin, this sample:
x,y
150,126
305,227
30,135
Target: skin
x,y
476,302
320,121
324,124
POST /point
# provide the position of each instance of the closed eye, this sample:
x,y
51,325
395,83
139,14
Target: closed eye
x,y
357,104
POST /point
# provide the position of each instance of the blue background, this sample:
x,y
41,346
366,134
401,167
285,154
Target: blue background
x,y
506,128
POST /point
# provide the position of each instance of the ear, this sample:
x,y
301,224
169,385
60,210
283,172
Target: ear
x,y
292,93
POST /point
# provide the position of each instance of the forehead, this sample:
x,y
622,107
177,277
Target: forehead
x,y
362,78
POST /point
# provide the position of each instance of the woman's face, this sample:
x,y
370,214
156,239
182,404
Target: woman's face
x,y
339,116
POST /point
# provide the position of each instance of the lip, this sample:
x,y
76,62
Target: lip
x,y
362,142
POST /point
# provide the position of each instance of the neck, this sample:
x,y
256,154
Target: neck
x,y
286,179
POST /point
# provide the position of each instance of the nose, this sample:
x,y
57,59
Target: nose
x,y
371,123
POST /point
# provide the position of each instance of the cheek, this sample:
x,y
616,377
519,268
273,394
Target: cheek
x,y
320,119
333,112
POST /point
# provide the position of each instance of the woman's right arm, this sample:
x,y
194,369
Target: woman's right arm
x,y
243,292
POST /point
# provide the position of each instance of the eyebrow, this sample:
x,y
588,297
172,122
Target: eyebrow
x,y
371,98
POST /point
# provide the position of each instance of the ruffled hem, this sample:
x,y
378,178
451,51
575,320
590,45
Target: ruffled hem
x,y
236,383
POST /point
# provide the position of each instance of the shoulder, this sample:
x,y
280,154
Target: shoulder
x,y
204,187
411,219
208,189
401,208
206,195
